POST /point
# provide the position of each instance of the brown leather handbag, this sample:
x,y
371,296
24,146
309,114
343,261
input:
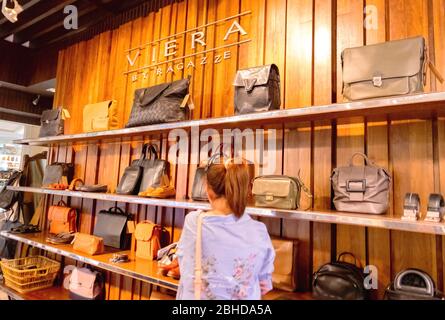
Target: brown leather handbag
x,y
88,244
284,276
62,218
150,238
100,116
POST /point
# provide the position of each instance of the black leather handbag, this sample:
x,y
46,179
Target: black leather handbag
x,y
160,104
413,284
52,123
8,197
257,89
154,169
58,172
339,281
111,225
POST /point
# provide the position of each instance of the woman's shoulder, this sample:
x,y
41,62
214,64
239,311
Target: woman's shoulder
x,y
258,226
191,217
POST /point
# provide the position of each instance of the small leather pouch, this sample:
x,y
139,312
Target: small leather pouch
x,y
88,244
100,116
62,219
149,238
284,276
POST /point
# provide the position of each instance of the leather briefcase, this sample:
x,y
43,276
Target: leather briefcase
x,y
52,123
363,189
111,226
386,69
280,192
166,102
155,170
284,276
150,238
100,116
83,283
88,244
413,284
257,89
58,173
339,281
62,219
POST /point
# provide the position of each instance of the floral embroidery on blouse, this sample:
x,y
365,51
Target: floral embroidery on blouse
x,y
208,268
242,273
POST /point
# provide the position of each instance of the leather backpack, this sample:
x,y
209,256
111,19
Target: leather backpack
x,y
62,219
83,283
149,239
339,280
52,123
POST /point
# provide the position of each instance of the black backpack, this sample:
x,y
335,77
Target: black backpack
x,y
339,280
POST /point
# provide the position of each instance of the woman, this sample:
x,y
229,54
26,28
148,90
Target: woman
x,y
237,254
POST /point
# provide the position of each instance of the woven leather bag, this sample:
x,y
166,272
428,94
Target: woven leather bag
x,y
62,219
386,69
149,239
160,104
88,244
362,189
284,276
100,116
52,123
257,89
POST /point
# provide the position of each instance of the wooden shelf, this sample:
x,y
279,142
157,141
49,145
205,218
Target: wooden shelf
x,y
366,220
136,268
53,293
403,107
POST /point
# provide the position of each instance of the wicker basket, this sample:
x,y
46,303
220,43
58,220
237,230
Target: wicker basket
x,y
29,274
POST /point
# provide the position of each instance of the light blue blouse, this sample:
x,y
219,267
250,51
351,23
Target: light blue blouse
x,y
237,255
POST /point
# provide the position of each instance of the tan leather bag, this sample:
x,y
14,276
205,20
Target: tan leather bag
x,y
149,238
363,189
284,276
62,219
88,244
100,116
386,69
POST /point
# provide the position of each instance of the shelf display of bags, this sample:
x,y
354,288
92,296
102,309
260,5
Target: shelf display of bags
x,y
167,102
58,173
362,189
150,238
62,219
111,226
100,116
257,89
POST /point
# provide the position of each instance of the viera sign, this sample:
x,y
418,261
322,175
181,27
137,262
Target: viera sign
x,y
165,55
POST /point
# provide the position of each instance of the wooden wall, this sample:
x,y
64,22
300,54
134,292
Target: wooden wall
x,y
305,39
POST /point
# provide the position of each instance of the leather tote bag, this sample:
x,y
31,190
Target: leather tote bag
x,y
58,173
339,281
150,238
362,189
62,219
132,177
284,276
100,116
88,244
154,169
83,283
111,225
413,284
52,123
280,192
159,104
257,89
386,69
9,197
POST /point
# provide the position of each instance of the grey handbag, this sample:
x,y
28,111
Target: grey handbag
x,y
363,189
159,104
154,169
58,172
52,123
111,225
281,192
131,179
257,89
386,69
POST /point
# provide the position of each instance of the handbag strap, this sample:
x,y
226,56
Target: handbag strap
x,y
143,154
61,203
364,156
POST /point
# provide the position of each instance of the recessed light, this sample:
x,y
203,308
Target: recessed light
x,y
53,90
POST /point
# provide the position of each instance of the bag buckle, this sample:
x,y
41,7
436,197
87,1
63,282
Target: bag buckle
x,y
269,197
377,81
356,185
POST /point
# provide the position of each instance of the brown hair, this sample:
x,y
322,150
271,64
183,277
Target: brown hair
x,y
230,180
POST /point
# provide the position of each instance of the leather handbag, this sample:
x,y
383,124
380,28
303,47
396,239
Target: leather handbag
x,y
413,284
362,189
280,192
339,281
166,102
149,239
257,89
52,123
111,226
284,276
155,170
100,116
386,69
83,283
58,173
62,219
9,197
88,244
8,246
199,191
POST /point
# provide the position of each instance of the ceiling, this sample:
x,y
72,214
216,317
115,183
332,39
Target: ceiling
x,y
40,25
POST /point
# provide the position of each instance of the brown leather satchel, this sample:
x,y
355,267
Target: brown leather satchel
x,y
62,218
150,238
88,244
284,276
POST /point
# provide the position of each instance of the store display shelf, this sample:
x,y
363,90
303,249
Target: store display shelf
x,y
53,293
402,107
366,220
136,268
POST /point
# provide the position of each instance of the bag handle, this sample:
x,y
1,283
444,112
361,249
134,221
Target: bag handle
x,y
153,151
62,203
117,210
364,156
350,254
